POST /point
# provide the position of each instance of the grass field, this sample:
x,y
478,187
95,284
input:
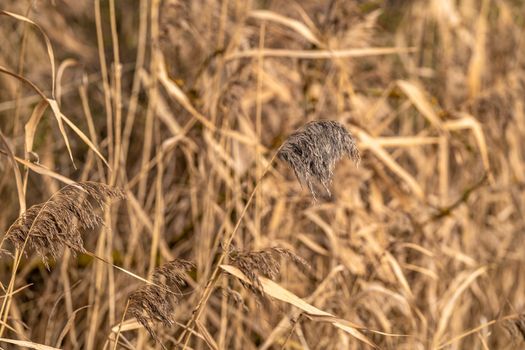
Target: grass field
x,y
162,184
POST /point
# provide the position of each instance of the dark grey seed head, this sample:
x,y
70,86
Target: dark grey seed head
x,y
313,151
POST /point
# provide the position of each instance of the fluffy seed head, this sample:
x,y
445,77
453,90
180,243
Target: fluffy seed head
x,y
49,227
156,302
264,262
313,151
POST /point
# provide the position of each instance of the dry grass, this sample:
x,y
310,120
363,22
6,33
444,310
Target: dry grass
x,y
201,112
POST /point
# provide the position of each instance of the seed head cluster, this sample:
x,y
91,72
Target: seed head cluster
x,y
156,302
313,151
49,227
266,262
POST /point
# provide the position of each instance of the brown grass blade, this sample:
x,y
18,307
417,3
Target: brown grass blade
x,y
28,344
37,168
465,280
475,330
398,272
18,175
319,54
28,82
49,48
84,138
297,26
418,97
467,121
477,64
32,124
58,116
175,91
370,143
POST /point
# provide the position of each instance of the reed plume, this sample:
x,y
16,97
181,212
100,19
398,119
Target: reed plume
x,y
313,150
49,227
264,262
156,302
516,328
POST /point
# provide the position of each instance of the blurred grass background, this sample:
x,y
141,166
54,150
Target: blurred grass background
x,y
188,101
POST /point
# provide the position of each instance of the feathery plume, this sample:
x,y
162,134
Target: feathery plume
x,y
313,151
262,262
156,302
51,226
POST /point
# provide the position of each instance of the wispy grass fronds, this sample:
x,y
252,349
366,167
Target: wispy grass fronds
x,y
172,273
313,151
266,262
49,227
156,302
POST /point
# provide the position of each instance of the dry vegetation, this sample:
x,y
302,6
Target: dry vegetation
x,y
150,143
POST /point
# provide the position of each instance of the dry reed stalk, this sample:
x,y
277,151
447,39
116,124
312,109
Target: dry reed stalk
x,y
105,78
116,92
20,70
6,303
116,97
139,63
113,112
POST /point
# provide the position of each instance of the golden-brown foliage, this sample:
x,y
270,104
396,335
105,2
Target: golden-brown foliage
x,y
184,104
